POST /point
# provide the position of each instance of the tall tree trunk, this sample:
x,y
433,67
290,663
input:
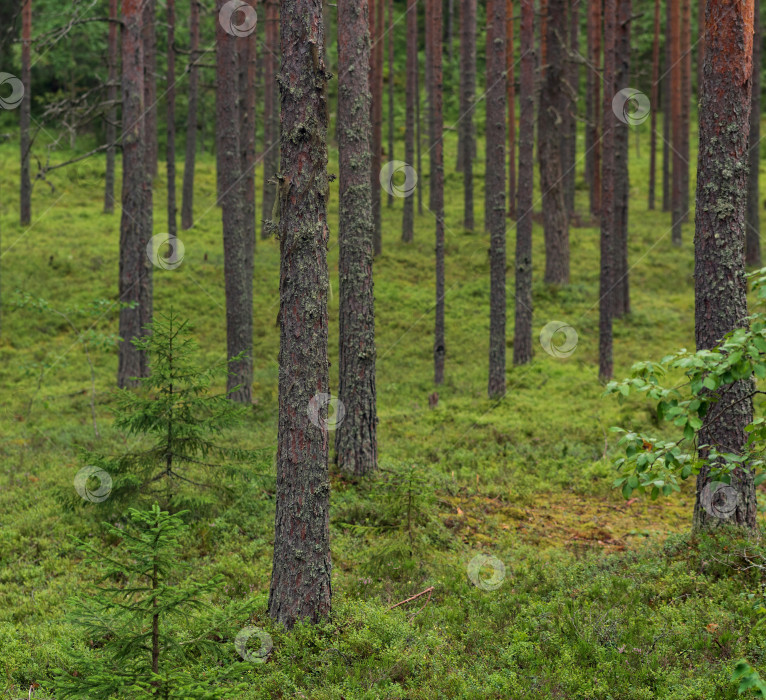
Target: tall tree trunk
x,y
655,104
135,284
621,291
408,218
667,109
300,579
511,87
522,340
437,168
25,112
247,51
719,276
418,138
686,99
753,225
597,145
676,93
355,437
237,260
376,88
569,107
605,362
555,219
187,204
700,45
270,113
170,101
591,75
467,102
111,113
495,194
150,84
390,38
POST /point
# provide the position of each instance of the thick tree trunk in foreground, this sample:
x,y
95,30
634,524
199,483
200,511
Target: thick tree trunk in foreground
x,y
511,89
237,254
270,113
495,195
467,101
300,580
170,148
550,121
654,105
408,217
187,195
135,283
676,199
605,363
355,439
111,113
522,340
150,84
753,224
720,286
25,112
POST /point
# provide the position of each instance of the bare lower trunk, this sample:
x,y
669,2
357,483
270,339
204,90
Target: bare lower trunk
x,y
390,40
170,98
467,98
655,103
271,113
150,85
595,60
511,89
569,107
25,112
187,205
408,218
676,201
111,113
376,88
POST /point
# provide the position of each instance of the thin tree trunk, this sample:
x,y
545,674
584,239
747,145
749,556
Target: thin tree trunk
x,y
390,38
753,225
376,88
621,291
135,284
555,219
676,92
467,102
418,138
686,99
170,101
719,243
595,60
590,109
569,106
25,112
150,84
355,437
237,260
522,341
187,204
408,218
655,104
300,580
271,114
495,194
666,116
111,113
605,362
247,51
511,87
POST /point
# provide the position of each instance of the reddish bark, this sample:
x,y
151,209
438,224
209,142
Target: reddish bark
x,y
111,113
511,86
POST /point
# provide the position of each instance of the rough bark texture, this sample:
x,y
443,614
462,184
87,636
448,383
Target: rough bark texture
x,y
555,218
355,437
300,580
720,286
595,127
376,114
522,341
247,50
495,195
136,222
237,253
686,100
270,113
606,279
676,200
418,138
150,84
111,113
569,106
467,101
654,105
437,169
390,41
666,115
511,89
187,196
170,101
621,291
753,230
590,108
25,112
408,218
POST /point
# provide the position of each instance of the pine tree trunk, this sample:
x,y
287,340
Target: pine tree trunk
x,y
511,87
187,203
595,60
237,258
437,169
606,306
150,84
522,341
390,38
569,107
170,101
300,580
666,116
355,437
111,113
270,113
135,283
550,121
495,194
654,105
247,51
25,112
408,218
467,100
621,290
753,224
676,92
590,108
686,99
719,241
418,137
376,88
